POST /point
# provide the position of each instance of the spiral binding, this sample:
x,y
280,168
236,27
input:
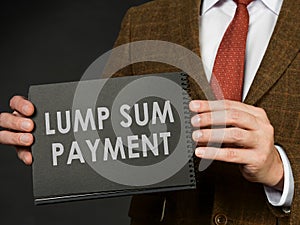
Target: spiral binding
x,y
188,129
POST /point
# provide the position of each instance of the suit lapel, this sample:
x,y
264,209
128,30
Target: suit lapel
x,y
282,49
189,11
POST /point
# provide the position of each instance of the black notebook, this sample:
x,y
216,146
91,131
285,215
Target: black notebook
x,y
111,137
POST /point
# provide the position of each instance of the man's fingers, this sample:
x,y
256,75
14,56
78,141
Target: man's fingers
x,y
14,122
236,136
18,139
231,155
201,106
22,105
25,155
235,118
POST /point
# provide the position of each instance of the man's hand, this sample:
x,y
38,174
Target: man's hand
x,y
247,137
17,127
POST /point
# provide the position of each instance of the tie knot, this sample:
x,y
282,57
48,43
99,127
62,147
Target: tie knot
x,y
243,2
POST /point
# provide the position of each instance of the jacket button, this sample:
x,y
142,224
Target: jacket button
x,y
220,219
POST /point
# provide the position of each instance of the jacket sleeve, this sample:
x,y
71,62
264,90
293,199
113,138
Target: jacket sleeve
x,y
120,55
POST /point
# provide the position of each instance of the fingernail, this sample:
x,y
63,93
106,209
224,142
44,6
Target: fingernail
x,y
25,125
196,120
26,159
25,138
197,135
195,104
199,152
25,109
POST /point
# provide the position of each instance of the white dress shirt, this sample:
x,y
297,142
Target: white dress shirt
x,y
215,17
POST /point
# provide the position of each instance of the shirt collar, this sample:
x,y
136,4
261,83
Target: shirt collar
x,y
207,4
274,5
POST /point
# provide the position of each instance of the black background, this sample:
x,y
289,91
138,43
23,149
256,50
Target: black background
x,y
49,42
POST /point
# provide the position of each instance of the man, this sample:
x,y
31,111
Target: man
x,y
252,164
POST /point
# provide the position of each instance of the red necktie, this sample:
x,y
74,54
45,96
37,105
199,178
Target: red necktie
x,y
228,71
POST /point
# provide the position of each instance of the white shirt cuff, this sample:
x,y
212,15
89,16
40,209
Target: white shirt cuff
x,y
284,198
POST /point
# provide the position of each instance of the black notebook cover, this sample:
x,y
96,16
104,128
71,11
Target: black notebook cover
x,y
111,137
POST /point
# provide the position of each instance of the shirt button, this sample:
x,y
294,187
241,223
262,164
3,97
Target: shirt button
x,y
220,219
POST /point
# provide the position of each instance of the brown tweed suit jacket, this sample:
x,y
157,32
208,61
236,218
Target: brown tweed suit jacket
x,y
223,196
